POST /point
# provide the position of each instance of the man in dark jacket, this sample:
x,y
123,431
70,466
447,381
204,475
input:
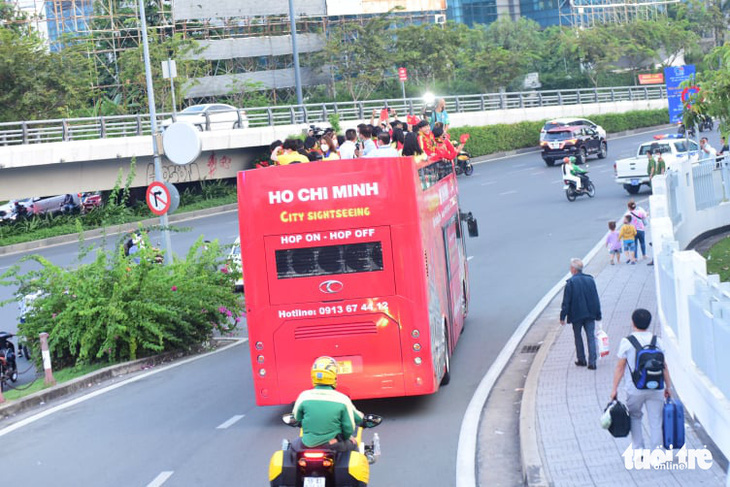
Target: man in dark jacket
x,y
582,309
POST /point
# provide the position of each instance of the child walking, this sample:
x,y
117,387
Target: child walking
x,y
613,243
627,234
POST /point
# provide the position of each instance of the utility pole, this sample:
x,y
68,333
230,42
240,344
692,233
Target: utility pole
x,y
153,122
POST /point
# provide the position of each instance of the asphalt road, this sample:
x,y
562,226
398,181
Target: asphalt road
x,y
167,428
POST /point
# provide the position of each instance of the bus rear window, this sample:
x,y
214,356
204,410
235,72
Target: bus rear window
x,y
329,260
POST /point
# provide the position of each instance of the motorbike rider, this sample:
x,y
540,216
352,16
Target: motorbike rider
x,y
572,172
328,417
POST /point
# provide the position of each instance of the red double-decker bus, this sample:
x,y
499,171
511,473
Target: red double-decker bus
x,y
363,260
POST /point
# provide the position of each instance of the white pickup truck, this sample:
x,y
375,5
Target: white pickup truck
x,y
632,171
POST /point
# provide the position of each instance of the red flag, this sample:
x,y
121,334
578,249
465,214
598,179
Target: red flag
x,y
464,138
412,120
384,114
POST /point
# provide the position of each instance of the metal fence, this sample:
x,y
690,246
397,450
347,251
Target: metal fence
x,y
705,176
672,186
42,131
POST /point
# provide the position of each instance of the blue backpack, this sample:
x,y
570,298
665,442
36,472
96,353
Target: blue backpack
x,y
648,370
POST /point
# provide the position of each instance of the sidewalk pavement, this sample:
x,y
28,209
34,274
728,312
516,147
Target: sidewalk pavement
x,y
569,447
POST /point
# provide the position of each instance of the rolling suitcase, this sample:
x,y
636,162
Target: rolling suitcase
x,y
673,424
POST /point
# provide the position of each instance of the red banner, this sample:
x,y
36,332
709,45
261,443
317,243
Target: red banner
x,y
651,79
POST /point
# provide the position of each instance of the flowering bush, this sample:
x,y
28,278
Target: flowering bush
x,y
118,308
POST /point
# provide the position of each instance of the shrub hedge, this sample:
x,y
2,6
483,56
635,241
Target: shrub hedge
x,y
117,308
505,137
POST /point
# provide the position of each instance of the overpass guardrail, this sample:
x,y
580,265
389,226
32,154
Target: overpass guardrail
x,y
68,129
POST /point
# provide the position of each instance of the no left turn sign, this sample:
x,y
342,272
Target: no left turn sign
x,y
158,198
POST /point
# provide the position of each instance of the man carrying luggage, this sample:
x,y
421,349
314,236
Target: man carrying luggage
x,y
582,308
646,379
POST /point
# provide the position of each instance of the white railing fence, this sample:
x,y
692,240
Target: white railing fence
x,y
689,202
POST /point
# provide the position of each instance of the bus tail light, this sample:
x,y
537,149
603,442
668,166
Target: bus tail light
x,y
417,360
259,345
417,347
262,372
260,359
415,334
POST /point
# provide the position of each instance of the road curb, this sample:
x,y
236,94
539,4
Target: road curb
x,y
112,230
466,468
533,470
40,398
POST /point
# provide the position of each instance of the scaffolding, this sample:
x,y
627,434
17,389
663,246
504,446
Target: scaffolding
x,y
111,27
584,14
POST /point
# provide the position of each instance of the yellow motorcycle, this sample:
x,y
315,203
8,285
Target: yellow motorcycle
x,y
319,467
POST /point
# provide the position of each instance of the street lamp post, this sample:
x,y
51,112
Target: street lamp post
x,y
153,122
295,51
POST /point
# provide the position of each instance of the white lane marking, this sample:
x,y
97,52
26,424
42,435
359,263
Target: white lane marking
x,y
508,192
160,479
235,419
537,173
489,182
466,450
99,392
519,165
469,258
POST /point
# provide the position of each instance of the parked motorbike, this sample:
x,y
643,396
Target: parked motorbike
x,y
572,192
681,130
325,468
8,363
706,124
463,164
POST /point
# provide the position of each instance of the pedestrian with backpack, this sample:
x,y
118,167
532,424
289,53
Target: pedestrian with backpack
x,y
643,368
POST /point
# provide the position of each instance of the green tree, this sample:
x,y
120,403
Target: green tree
x,y
715,86
497,67
358,55
132,72
36,83
595,48
429,52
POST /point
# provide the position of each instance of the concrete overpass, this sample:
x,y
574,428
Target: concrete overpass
x,y
49,157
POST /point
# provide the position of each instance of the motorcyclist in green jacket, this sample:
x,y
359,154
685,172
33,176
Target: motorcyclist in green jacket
x,y
572,172
328,417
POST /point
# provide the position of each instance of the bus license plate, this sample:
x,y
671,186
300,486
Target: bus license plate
x,y
634,182
314,481
344,367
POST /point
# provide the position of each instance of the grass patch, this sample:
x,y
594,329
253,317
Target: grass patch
x,y
61,376
718,259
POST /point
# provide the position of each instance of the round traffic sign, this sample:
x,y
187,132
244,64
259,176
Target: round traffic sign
x,y
688,91
181,142
158,198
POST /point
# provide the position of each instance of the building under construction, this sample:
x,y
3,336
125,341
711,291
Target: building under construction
x,y
587,13
242,42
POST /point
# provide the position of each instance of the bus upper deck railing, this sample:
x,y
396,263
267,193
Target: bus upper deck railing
x,y
68,129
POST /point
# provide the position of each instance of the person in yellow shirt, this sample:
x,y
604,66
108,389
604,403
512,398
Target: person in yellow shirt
x,y
290,154
627,235
329,148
